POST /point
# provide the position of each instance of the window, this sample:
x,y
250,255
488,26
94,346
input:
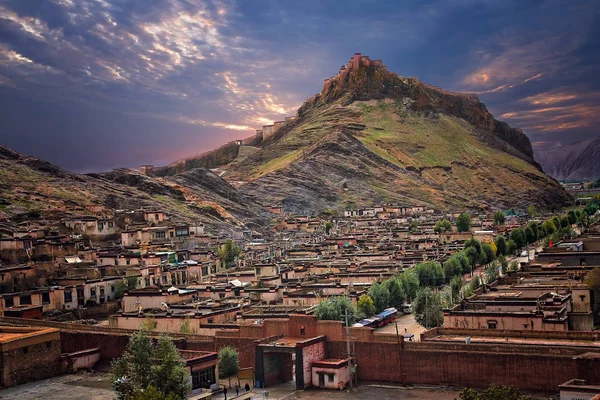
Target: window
x,y
200,379
525,326
93,292
48,345
68,296
160,235
9,301
492,324
582,297
110,224
25,350
156,217
46,298
112,288
26,299
302,331
100,226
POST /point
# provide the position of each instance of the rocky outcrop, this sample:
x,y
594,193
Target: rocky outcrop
x,y
576,161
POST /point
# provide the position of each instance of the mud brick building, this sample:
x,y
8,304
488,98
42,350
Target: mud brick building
x,y
28,354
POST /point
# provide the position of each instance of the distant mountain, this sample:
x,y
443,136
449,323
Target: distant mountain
x,y
29,185
371,137
576,161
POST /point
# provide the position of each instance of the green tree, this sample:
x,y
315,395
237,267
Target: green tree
x,y
186,326
442,226
493,392
499,218
120,289
229,363
503,263
487,252
397,295
548,228
132,282
500,245
366,306
456,284
511,247
410,283
430,274
572,217
535,228
148,324
414,226
228,252
452,267
334,309
380,295
144,363
531,211
463,222
530,235
518,236
328,226
428,308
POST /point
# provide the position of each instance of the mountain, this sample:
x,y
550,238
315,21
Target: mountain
x,y
371,137
32,186
576,161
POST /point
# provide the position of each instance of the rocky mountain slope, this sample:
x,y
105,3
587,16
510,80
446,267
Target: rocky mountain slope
x,y
32,186
371,136
576,161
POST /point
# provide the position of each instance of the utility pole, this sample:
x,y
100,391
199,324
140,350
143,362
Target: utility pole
x,y
348,349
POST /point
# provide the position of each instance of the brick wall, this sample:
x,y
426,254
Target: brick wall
x,y
31,362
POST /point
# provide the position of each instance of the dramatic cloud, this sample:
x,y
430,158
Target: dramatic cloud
x,y
94,84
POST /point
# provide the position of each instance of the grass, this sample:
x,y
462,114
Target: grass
x,y
409,140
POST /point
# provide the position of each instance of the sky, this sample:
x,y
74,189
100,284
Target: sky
x,y
93,85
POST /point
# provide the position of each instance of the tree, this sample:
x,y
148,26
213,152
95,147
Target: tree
x,y
328,226
120,289
535,228
531,211
518,236
228,252
593,280
334,309
463,222
529,235
366,306
511,247
428,308
503,264
410,283
229,363
144,363
414,226
548,228
500,245
493,392
572,217
488,252
397,295
430,274
380,295
499,218
442,226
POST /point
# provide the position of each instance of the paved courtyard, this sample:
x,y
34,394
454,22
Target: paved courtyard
x,y
406,324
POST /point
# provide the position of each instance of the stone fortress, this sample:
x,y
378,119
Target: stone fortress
x,y
355,63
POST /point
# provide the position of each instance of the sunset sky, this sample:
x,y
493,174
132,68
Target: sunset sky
x,y
95,84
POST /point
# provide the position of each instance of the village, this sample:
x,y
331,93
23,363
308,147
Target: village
x,y
315,301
